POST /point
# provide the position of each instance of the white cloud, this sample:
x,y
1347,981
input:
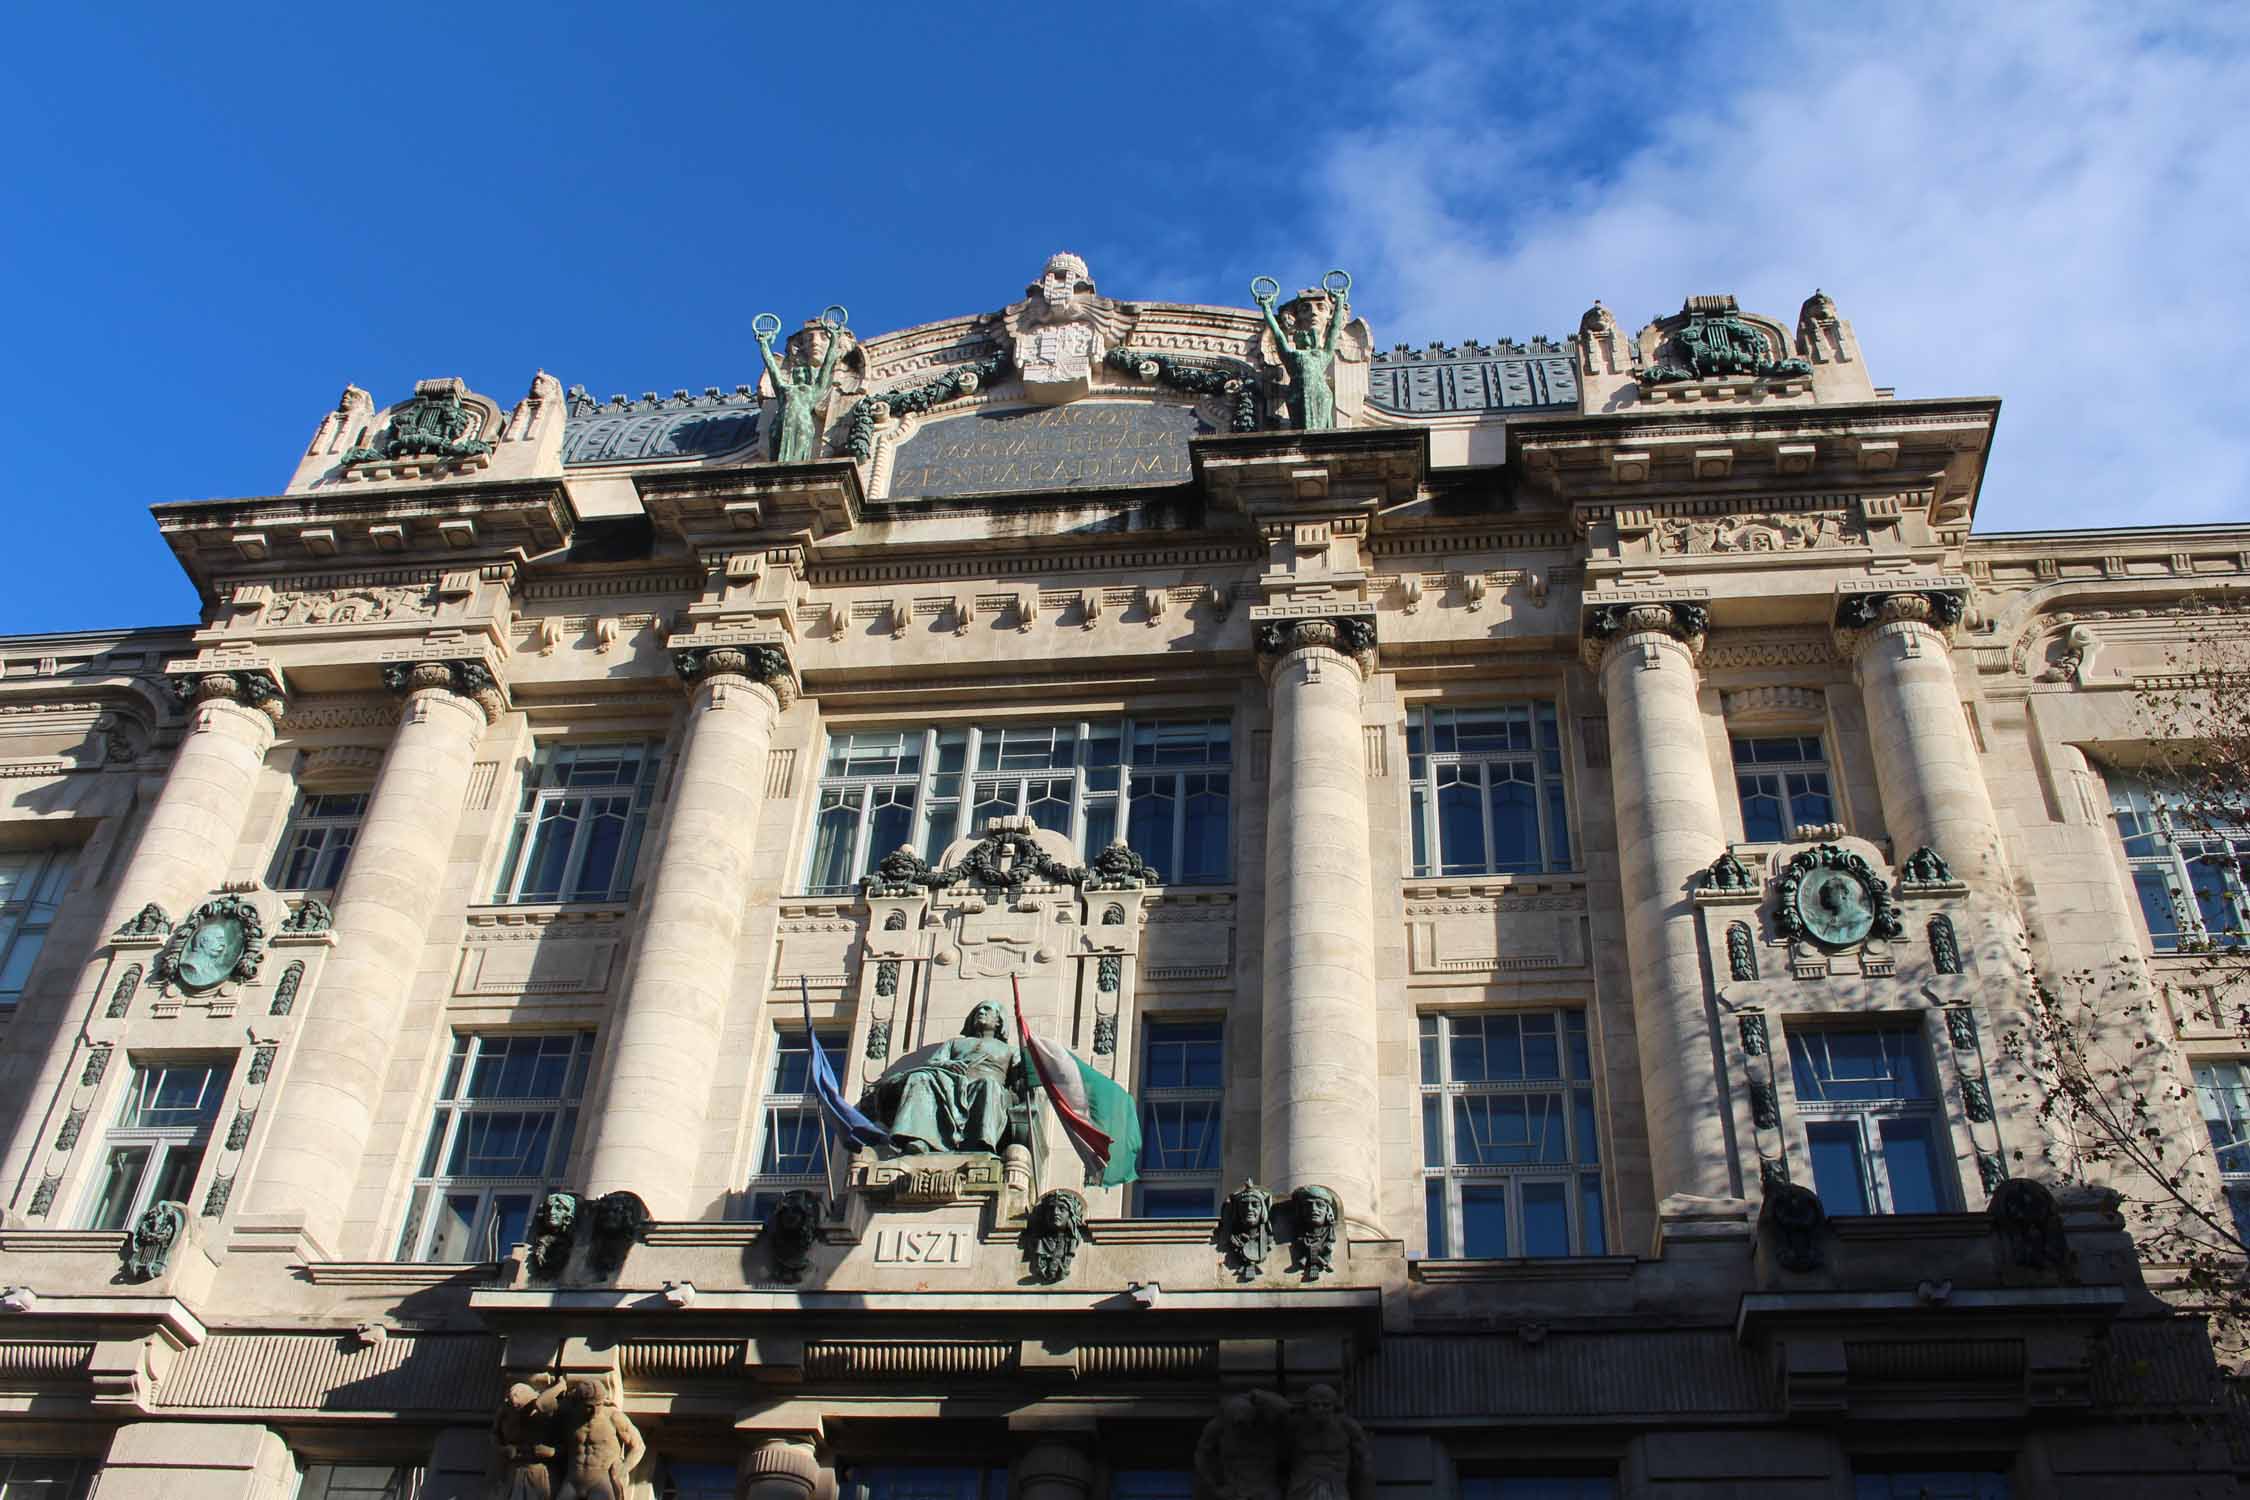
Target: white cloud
x,y
2044,204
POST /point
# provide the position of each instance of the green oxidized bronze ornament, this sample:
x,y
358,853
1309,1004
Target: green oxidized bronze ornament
x,y
799,384
1308,349
1832,897
220,940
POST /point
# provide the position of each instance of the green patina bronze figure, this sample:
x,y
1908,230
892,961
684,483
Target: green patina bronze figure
x,y
1308,349
959,1096
799,385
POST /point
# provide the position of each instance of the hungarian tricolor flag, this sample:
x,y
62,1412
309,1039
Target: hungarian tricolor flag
x,y
1100,1118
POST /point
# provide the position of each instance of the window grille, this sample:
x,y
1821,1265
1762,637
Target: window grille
x,y
1167,785
577,833
500,1136
1182,1089
793,1145
1872,1120
1488,791
1511,1150
153,1151
1783,784
2187,869
31,891
318,841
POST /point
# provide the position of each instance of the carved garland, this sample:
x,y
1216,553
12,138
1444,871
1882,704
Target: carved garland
x,y
859,423
1196,379
1009,860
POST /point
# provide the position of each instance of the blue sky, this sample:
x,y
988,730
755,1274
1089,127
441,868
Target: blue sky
x,y
215,217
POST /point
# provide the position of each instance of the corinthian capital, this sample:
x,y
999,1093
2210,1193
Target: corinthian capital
x,y
1351,635
1861,618
257,688
1684,620
761,664
472,680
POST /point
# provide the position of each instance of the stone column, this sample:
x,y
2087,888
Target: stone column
x,y
313,1147
666,1038
1054,1470
191,833
183,851
1668,830
1925,761
1318,1119
782,1466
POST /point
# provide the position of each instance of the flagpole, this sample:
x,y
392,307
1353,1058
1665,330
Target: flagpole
x,y
828,1130
1033,1090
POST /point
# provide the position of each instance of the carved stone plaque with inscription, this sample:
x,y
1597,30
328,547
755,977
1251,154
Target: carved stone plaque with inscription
x,y
1086,445
925,1247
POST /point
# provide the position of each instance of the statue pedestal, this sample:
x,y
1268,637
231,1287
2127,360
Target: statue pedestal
x,y
918,1185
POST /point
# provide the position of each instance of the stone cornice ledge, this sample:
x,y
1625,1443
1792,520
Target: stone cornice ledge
x,y
1351,468
1364,1301
406,1275
754,502
168,1313
2045,1304
1524,1269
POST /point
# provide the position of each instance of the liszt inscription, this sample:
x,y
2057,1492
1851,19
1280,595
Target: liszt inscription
x,y
1087,445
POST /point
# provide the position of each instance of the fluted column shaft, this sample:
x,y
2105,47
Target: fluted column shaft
x,y
322,1121
182,852
1926,762
1318,1117
666,1040
1668,829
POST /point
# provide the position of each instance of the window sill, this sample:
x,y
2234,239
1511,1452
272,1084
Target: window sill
x,y
541,913
1448,1270
399,1273
1493,885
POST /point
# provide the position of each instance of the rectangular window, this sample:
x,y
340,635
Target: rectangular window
x,y
153,1150
925,1482
1783,783
43,1476
360,1482
577,832
694,1481
1488,795
1164,787
1872,1120
1932,1484
318,841
2223,1091
793,1146
1541,1487
1151,1484
506,1112
1511,1151
31,889
2187,866
1182,1090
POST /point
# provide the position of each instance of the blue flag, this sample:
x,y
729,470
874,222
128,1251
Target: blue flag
x,y
841,1116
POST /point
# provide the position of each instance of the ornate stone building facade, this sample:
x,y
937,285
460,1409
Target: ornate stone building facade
x,y
1553,838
